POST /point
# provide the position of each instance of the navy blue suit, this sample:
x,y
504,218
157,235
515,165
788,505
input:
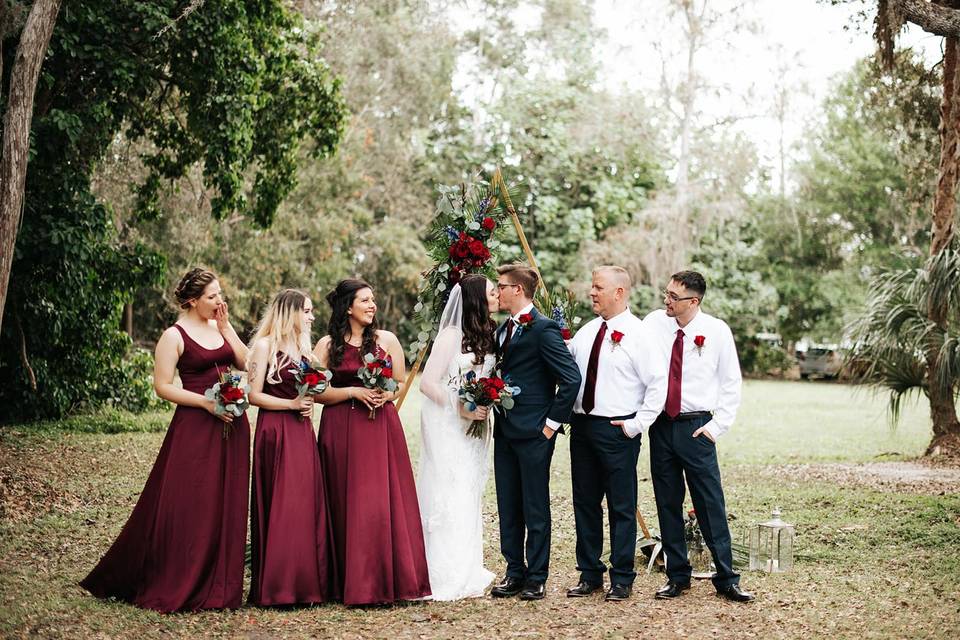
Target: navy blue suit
x,y
536,360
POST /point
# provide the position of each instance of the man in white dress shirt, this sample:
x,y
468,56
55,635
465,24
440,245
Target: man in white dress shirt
x,y
703,394
623,390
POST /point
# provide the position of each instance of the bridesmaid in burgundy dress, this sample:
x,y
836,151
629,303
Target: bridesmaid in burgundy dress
x,y
378,537
289,523
182,548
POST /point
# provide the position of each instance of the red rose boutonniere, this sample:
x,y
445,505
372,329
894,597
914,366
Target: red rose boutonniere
x,y
698,341
615,338
525,320
565,333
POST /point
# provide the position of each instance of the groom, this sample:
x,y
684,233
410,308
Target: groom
x,y
532,353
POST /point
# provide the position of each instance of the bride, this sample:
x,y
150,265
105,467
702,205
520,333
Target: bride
x,y
453,465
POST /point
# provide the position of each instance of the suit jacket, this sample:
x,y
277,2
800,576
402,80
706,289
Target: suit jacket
x,y
537,361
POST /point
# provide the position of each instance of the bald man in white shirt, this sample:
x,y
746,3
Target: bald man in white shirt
x,y
703,395
623,390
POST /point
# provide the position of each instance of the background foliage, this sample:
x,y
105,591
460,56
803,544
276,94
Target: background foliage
x,y
214,144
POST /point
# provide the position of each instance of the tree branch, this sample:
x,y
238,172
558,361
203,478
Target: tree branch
x,y
932,18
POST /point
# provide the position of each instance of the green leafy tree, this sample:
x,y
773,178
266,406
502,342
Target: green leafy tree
x,y
235,88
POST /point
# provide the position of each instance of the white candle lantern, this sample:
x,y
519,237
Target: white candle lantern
x,y
771,545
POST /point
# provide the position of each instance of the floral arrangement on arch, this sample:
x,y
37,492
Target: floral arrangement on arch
x,y
464,238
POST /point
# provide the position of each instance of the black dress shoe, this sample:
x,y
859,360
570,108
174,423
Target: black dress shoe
x,y
583,589
671,590
533,591
735,594
508,588
618,592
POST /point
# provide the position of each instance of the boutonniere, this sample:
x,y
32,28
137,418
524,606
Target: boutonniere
x,y
615,338
698,341
525,320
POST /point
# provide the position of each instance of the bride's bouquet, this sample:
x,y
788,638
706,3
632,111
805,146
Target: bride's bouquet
x,y
377,373
230,397
485,392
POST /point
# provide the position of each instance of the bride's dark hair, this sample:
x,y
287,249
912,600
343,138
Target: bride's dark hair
x,y
338,328
478,326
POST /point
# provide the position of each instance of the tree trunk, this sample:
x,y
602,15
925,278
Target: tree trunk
x,y
946,428
128,319
16,129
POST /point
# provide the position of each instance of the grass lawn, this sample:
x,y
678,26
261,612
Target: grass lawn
x,y
878,549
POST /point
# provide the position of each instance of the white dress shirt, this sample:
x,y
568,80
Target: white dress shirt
x,y
517,329
631,376
711,375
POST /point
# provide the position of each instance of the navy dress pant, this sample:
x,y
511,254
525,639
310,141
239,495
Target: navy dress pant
x,y
675,455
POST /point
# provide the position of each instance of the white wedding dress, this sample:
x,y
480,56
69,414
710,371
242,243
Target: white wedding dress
x,y
453,473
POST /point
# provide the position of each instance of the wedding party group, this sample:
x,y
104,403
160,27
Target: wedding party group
x,y
337,516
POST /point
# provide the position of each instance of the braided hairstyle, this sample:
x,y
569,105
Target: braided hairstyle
x,y
478,326
192,285
338,328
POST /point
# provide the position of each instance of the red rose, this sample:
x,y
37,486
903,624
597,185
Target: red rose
x,y
488,223
492,393
311,379
387,372
565,333
452,251
616,337
498,383
231,394
372,365
477,248
462,250
526,318
699,340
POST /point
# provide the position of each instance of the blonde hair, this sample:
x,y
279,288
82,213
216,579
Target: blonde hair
x,y
619,275
282,325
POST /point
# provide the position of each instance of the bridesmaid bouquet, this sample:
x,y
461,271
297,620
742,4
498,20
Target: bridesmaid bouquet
x,y
485,392
310,378
377,373
230,397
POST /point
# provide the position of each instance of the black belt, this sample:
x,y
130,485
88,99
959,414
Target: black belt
x,y
587,416
690,415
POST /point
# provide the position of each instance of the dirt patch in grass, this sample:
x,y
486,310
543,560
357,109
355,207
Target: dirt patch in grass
x,y
895,477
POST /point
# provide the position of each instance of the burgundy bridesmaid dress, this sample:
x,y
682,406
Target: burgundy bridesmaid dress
x,y
183,547
289,523
378,539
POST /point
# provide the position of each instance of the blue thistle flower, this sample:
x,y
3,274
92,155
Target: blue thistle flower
x,y
558,316
452,234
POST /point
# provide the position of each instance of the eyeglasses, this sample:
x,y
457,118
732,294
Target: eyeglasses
x,y
505,285
675,298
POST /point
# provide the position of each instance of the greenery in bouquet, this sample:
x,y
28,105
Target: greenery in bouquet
x,y
377,373
230,395
485,392
566,310
311,379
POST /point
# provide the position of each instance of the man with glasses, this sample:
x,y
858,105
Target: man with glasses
x,y
532,353
703,394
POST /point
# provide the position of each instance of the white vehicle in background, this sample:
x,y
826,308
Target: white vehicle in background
x,y
820,361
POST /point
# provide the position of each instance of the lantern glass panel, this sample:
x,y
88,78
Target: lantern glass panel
x,y
771,545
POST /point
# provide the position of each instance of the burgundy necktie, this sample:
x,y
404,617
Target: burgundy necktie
x,y
590,387
506,338
675,378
